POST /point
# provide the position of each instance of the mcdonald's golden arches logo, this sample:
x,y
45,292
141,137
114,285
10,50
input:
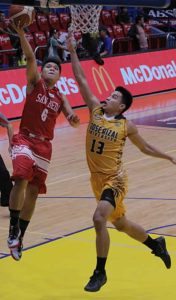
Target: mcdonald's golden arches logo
x,y
103,76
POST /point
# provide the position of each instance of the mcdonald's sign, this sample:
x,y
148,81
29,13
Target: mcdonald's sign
x,y
101,75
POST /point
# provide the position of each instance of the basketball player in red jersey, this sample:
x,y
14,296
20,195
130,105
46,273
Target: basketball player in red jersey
x,y
31,147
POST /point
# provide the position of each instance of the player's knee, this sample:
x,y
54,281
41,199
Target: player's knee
x,y
20,183
99,220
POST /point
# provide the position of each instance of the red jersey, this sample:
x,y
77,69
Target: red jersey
x,y
41,109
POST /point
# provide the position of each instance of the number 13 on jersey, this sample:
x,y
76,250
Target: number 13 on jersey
x,y
97,147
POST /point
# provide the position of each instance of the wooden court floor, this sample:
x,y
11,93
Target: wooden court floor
x,y
69,203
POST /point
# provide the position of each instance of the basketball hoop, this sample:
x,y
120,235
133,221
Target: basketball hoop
x,y
85,18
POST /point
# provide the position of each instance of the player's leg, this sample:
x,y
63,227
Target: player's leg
x,y
132,229
102,212
104,209
137,232
15,206
25,217
23,170
36,186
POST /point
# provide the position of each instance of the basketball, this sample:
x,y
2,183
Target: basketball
x,y
21,15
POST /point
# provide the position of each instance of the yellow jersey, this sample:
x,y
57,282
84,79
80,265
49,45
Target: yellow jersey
x,y
104,142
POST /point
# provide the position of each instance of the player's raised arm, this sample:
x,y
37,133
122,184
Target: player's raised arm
x,y
68,112
85,91
32,71
143,146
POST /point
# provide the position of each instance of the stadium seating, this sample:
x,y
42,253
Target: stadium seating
x,y
64,20
42,22
6,23
30,39
126,28
121,43
157,41
41,43
118,31
39,32
6,49
114,14
106,18
33,27
54,22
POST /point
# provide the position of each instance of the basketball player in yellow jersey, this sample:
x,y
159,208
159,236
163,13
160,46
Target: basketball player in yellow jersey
x,y
106,135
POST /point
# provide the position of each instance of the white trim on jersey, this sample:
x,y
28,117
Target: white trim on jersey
x,y
39,161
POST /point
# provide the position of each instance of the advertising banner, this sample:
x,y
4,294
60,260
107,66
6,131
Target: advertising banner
x,y
142,73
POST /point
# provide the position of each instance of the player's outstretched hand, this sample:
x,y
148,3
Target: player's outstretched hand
x,y
73,120
17,28
71,42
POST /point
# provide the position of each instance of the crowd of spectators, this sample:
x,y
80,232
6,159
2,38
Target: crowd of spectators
x,y
121,29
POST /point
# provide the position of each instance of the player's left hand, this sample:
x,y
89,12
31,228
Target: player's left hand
x,y
73,120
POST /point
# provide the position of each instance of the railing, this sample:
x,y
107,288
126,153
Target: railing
x,y
3,52
171,40
126,44
38,48
8,50
5,57
157,40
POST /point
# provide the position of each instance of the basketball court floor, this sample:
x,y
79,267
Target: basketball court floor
x,y
59,251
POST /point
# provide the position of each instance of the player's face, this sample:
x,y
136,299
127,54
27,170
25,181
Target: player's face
x,y
51,72
113,104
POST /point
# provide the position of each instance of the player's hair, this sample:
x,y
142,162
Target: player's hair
x,y
127,97
53,59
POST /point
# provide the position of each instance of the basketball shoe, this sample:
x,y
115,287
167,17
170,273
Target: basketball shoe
x,y
161,251
13,238
16,252
97,280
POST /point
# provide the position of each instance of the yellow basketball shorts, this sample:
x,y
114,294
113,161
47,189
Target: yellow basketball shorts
x,y
118,184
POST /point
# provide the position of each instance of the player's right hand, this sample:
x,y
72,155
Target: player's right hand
x,y
71,42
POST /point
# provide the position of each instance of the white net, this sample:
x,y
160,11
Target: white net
x,y
85,18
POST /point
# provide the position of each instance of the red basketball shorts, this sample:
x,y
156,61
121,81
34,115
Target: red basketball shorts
x,y
31,159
